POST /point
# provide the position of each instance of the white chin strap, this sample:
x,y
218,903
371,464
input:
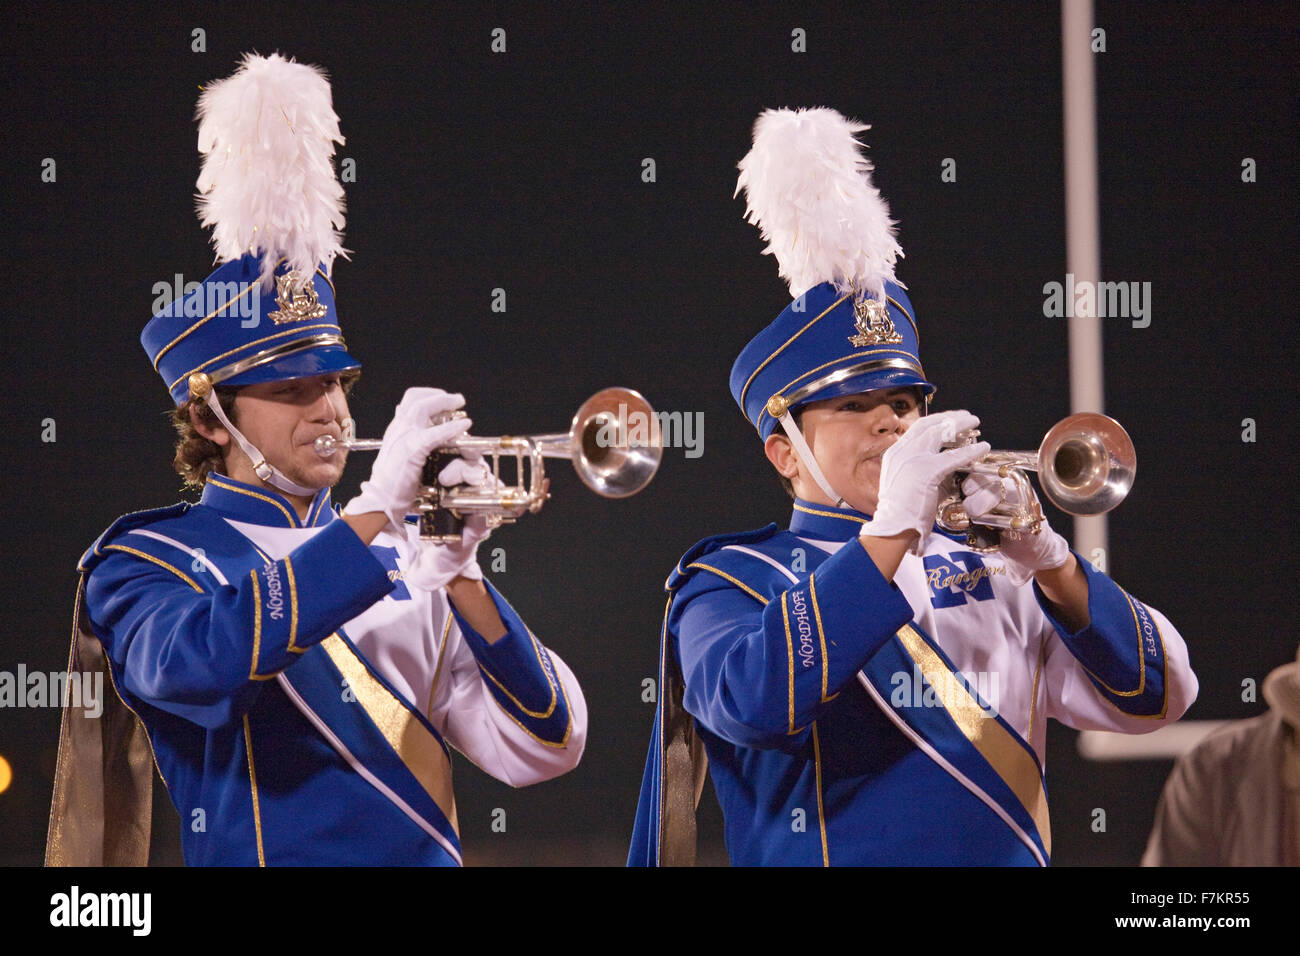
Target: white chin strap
x,y
806,456
267,472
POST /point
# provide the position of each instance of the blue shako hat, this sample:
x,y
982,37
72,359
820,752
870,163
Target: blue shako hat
x,y
235,331
824,344
268,190
850,328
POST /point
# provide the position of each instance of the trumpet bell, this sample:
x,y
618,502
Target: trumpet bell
x,y
615,441
1086,464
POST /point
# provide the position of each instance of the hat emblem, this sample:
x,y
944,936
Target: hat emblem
x,y
296,304
873,323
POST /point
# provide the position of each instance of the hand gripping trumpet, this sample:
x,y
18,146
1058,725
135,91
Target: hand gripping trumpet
x,y
614,443
1085,464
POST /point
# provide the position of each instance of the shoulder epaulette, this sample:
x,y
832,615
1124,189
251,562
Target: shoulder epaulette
x,y
755,561
128,522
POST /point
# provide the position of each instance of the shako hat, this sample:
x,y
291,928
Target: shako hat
x,y
268,190
850,327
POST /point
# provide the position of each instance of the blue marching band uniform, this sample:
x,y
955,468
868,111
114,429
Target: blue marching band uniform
x,y
846,719
298,697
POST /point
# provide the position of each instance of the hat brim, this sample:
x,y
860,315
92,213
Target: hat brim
x,y
878,380
317,361
871,382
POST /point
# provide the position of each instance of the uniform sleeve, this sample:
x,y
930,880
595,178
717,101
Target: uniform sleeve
x,y
1126,671
203,655
513,707
758,671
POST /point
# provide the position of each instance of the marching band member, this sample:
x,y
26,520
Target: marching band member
x,y
298,673
866,688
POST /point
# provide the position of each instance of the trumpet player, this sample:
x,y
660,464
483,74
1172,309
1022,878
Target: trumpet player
x,y
298,673
863,688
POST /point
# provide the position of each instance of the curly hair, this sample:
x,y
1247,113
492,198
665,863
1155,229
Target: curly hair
x,y
196,457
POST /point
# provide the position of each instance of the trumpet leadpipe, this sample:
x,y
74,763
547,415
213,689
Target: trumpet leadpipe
x,y
548,446
327,445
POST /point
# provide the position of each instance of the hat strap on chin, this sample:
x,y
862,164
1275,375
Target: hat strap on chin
x,y
263,469
806,456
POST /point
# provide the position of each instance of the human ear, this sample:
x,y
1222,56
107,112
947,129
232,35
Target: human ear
x,y
781,454
213,433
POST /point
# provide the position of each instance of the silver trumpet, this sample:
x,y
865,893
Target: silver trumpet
x,y
614,443
1086,465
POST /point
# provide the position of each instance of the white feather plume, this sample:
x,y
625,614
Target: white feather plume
x,y
808,188
267,184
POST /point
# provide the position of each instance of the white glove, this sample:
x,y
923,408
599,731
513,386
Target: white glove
x,y
437,565
1023,553
982,493
408,441
911,471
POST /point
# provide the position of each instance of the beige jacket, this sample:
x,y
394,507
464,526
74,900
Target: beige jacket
x,y
1233,800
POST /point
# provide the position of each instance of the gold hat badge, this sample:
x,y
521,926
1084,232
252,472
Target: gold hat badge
x,y
297,304
873,323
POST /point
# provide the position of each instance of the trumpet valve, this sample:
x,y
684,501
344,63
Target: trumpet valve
x,y
443,418
953,517
1027,524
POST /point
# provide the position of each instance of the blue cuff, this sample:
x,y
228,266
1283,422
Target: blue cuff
x,y
1121,648
520,675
